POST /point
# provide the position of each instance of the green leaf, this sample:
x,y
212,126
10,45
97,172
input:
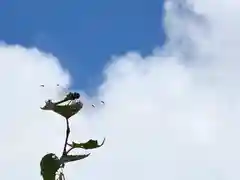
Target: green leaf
x,y
71,158
49,164
91,144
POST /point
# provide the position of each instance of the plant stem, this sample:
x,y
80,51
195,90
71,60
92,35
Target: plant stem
x,y
66,139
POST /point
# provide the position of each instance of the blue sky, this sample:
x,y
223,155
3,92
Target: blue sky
x,y
83,34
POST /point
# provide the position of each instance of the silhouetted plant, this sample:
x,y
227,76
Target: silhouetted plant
x,y
52,166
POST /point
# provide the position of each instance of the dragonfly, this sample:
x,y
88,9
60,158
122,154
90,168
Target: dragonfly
x,y
73,106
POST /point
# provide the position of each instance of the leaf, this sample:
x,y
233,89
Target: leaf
x,y
71,158
91,144
49,164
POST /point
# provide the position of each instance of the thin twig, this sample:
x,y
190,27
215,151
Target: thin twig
x,y
66,139
68,151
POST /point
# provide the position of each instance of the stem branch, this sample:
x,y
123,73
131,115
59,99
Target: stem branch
x,y
66,139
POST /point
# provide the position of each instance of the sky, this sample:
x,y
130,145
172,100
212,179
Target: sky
x,y
172,114
82,34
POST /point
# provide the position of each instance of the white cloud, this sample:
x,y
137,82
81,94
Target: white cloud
x,y
26,133
172,115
